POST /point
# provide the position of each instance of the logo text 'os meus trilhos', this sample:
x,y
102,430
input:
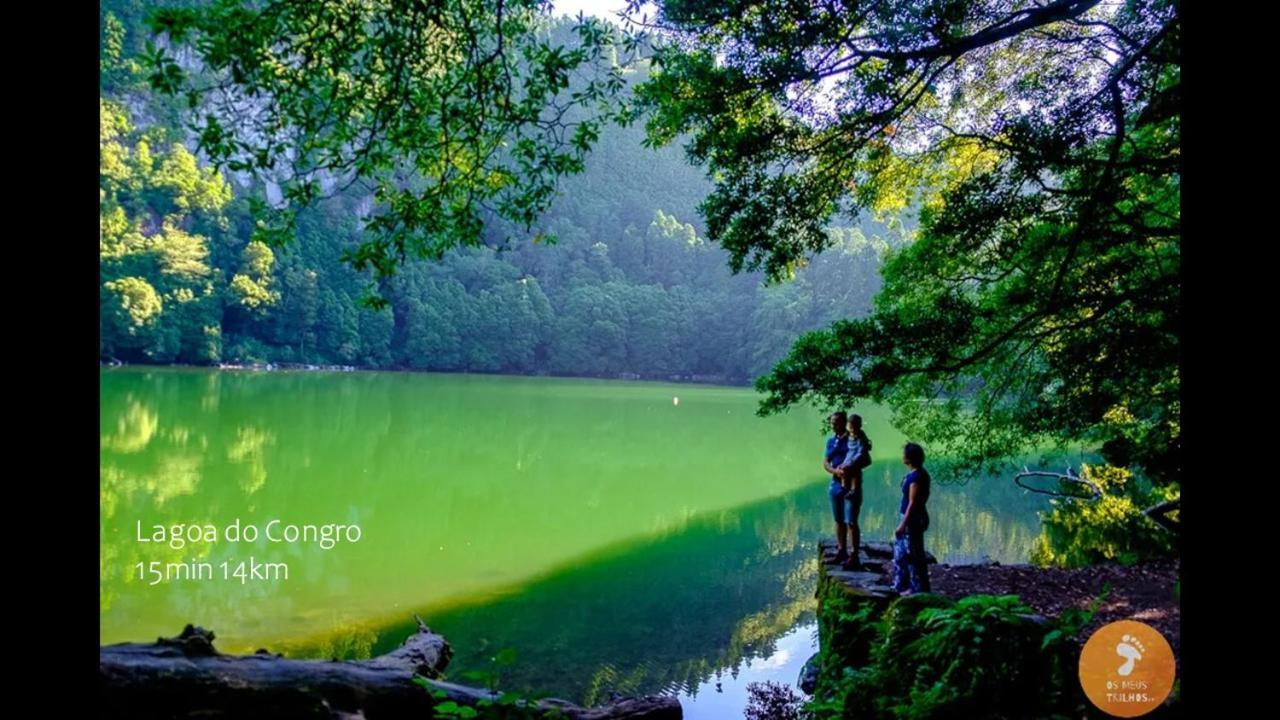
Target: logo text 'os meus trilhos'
x,y
1127,668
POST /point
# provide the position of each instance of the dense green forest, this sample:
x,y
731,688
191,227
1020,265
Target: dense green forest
x,y
1037,303
628,287
965,212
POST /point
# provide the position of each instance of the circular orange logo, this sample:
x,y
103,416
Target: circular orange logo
x,y
1126,668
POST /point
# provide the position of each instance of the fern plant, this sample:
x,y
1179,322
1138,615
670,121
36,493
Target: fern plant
x,y
983,656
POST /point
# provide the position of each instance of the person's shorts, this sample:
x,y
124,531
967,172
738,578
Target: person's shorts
x,y
837,493
852,506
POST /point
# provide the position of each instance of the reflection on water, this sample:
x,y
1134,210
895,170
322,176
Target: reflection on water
x,y
617,541
665,614
725,695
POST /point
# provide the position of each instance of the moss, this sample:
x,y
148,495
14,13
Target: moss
x,y
847,629
926,656
846,633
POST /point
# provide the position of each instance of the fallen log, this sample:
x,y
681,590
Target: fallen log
x,y
185,676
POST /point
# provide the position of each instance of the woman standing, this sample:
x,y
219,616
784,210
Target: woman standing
x,y
910,569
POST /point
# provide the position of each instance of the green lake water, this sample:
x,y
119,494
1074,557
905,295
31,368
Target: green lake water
x,y
616,539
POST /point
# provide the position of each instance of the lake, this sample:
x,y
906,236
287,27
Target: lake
x,y
628,537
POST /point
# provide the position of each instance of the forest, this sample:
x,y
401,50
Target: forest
x,y
628,287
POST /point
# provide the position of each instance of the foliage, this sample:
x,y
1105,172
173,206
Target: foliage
x,y
117,68
1040,145
847,633
631,287
161,299
769,700
929,657
444,112
1113,528
499,706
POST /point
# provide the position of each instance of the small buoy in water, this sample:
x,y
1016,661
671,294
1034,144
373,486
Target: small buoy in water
x,y
675,401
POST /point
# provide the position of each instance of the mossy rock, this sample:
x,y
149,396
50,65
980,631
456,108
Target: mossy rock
x,y
847,629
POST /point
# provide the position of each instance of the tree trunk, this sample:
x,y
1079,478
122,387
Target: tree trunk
x,y
185,677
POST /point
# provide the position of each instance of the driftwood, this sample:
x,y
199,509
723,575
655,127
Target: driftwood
x,y
185,676
1095,492
1159,514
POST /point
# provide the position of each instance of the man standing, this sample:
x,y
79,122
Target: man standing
x,y
857,458
837,449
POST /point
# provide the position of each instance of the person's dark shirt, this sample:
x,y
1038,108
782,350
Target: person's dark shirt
x,y
920,478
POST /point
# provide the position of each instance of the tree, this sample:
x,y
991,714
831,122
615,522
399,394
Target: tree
x,y
130,306
432,326
161,298
377,328
653,329
670,247
299,311
339,327
428,335
590,333
441,111
1040,144
525,315
627,226
251,287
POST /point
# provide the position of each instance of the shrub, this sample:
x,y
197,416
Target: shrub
x,y
981,657
1080,532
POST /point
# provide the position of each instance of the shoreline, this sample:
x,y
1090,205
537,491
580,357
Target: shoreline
x,y
186,676
1145,591
678,379
868,632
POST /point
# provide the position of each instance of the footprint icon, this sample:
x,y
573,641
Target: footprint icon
x,y
1131,650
